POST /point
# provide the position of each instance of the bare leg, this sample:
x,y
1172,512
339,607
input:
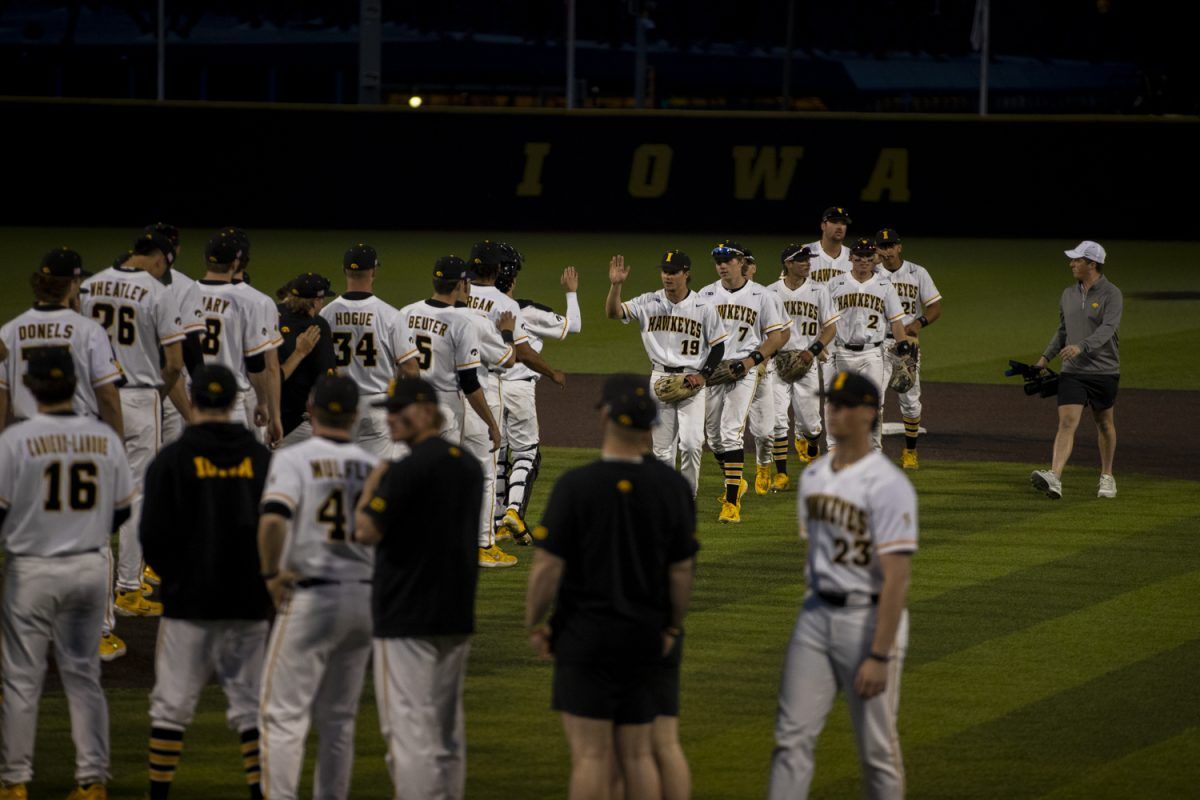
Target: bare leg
x,y
1064,440
1106,433
635,748
591,742
672,764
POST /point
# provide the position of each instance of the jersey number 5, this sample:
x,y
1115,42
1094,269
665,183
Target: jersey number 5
x,y
81,486
425,348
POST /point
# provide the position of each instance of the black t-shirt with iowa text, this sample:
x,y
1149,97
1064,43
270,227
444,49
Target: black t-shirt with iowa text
x,y
618,526
293,394
426,568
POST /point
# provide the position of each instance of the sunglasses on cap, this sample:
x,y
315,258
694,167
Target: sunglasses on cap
x,y
723,254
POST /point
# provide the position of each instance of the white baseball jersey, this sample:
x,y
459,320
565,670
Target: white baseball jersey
x,y
493,352
490,302
233,328
268,312
851,517
55,326
61,477
541,323
809,308
185,293
368,339
914,287
442,339
866,309
676,334
319,481
748,314
139,315
824,266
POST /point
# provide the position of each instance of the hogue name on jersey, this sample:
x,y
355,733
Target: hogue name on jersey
x,y
738,313
836,511
435,326
669,324
799,308
364,318
123,291
868,301
60,443
45,330
216,305
481,304
339,470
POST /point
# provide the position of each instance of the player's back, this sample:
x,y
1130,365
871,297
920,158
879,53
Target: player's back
x,y
185,294
367,339
139,315
320,481
267,311
232,330
444,340
61,476
490,302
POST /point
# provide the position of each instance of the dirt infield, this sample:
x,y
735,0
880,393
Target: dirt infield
x,y
966,422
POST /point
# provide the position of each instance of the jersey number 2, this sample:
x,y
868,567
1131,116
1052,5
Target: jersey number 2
x,y
81,486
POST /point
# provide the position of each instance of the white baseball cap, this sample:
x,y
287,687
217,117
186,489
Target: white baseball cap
x,y
1089,250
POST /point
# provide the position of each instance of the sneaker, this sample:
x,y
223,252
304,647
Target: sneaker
x,y
495,557
1108,486
1046,481
131,603
908,459
762,479
730,513
93,791
151,577
111,648
780,482
516,526
16,791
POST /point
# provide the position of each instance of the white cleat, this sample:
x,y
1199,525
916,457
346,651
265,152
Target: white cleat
x,y
1108,486
1046,481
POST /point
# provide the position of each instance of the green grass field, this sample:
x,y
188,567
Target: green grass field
x,y
1053,648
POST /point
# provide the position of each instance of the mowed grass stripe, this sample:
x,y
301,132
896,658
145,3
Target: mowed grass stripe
x,y
1169,767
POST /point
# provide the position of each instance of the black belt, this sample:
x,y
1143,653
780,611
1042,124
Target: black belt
x,y
839,600
675,370
308,583
858,348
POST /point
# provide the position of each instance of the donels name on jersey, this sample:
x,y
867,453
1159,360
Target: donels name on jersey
x,y
364,318
435,326
339,470
738,313
56,443
868,301
836,511
799,308
123,291
44,330
668,324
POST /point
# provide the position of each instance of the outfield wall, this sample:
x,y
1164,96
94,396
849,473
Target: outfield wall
x,y
201,164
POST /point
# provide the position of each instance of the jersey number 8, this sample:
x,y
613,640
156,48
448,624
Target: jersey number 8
x,y
210,340
365,351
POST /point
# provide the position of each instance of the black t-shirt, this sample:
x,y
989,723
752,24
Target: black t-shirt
x,y
293,394
426,567
618,526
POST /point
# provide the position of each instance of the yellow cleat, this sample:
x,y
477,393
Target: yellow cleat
x,y
502,534
111,648
743,487
93,791
147,589
802,453
516,526
762,480
151,577
908,459
730,513
15,792
133,604
781,482
493,556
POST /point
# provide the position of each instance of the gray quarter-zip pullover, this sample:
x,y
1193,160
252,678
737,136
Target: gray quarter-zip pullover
x,y
1089,320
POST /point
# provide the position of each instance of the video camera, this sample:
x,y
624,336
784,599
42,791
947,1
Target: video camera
x,y
1042,382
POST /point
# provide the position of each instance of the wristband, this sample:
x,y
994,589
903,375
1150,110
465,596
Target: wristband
x,y
923,320
756,357
266,576
875,656
815,348
507,336
706,372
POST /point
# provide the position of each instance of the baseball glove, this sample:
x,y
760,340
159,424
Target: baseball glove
x,y
727,372
904,369
673,388
790,365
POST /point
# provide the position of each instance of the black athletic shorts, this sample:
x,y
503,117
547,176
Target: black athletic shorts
x,y
1097,391
666,682
619,691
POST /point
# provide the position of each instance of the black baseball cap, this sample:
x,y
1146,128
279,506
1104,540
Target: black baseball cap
x,y
404,392
629,401
310,286
862,247
213,386
852,389
223,247
675,261
337,394
795,252
151,241
488,252
61,263
887,236
835,214
166,229
243,239
49,363
727,250
453,268
360,257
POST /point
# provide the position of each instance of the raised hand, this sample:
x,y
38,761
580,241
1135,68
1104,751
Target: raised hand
x,y
617,271
570,279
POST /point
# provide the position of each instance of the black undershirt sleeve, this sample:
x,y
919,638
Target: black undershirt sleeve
x,y
193,356
714,358
120,515
256,363
274,507
3,514
468,380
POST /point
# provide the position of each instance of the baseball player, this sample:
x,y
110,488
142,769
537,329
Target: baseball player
x,y
186,297
144,326
520,454
858,514
756,328
813,326
53,323
320,580
832,255
65,487
268,316
761,419
368,343
922,304
682,334
215,604
868,307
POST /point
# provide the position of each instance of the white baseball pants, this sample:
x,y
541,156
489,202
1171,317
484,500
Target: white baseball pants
x,y
520,436
172,422
825,652
142,412
59,600
804,398
762,414
452,405
476,442
869,364
910,401
726,409
316,662
419,691
371,431
300,433
680,429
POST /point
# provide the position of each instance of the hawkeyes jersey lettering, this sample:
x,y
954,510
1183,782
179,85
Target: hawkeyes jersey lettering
x,y
139,315
826,267
369,339
748,314
808,307
866,309
914,287
676,334
442,340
